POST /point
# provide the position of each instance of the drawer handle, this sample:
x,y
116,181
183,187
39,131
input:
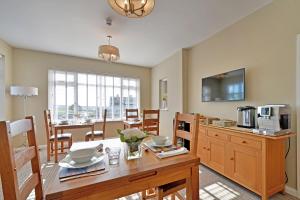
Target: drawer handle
x,y
140,177
231,158
244,142
208,149
216,135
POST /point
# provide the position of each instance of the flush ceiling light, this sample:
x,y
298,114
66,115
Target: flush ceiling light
x,y
132,8
108,52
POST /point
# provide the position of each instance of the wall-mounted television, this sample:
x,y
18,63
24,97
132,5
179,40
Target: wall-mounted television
x,y
229,86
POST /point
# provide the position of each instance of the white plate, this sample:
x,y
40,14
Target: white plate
x,y
167,144
67,162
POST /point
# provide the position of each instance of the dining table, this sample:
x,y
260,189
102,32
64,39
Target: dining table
x,y
128,177
70,126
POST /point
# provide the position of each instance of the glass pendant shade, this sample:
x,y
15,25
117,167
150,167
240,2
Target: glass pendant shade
x,y
108,52
132,8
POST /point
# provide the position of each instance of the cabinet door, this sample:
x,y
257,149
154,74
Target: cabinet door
x,y
216,154
244,165
202,149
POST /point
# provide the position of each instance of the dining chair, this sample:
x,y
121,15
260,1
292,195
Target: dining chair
x,y
61,137
131,114
100,134
151,121
191,135
12,162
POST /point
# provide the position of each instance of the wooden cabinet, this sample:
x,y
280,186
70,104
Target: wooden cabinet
x,y
216,154
244,166
202,149
254,161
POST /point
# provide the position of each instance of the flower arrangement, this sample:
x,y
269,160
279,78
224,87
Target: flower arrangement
x,y
132,139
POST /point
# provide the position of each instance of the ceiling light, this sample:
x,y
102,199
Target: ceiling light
x,y
108,52
132,8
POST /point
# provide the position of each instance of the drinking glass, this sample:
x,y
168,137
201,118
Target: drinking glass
x,y
114,155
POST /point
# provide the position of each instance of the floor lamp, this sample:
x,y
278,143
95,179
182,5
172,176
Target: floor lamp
x,y
24,92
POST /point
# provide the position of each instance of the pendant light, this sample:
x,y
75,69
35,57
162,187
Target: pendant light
x,y
132,8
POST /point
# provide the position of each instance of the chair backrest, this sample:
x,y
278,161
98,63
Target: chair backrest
x,y
131,114
48,124
104,122
12,162
151,121
191,134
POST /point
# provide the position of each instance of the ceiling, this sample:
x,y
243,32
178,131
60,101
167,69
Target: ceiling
x,y
77,27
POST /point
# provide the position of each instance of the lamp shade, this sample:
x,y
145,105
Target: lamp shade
x,y
23,91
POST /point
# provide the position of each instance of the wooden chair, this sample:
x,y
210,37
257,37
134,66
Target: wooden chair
x,y
192,136
131,114
97,134
62,138
12,162
151,121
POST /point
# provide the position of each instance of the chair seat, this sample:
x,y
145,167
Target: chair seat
x,y
96,134
64,136
170,186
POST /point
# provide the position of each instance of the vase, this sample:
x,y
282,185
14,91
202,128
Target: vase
x,y
132,150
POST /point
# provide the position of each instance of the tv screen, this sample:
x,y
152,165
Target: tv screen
x,y
229,86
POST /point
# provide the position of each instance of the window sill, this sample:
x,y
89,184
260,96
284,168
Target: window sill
x,y
108,120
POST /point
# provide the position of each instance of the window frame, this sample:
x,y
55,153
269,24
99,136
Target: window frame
x,y
99,86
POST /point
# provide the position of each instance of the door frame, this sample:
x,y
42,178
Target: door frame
x,y
298,110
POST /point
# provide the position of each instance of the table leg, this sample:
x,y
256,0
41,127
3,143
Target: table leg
x,y
189,188
55,146
195,182
93,136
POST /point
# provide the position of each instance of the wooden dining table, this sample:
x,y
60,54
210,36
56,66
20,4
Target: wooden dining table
x,y
63,127
128,177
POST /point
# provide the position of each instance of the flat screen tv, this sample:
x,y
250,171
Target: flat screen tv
x,y
229,86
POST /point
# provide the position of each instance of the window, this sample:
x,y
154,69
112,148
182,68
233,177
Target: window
x,y
80,95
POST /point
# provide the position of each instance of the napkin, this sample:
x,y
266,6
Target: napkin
x,y
176,152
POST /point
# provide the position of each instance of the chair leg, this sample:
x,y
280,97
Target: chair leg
x,y
48,151
62,146
172,196
178,195
70,143
51,147
159,194
143,193
87,138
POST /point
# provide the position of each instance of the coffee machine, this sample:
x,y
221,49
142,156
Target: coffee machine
x,y
273,119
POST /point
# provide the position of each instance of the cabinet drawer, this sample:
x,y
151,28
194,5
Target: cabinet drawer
x,y
246,142
217,135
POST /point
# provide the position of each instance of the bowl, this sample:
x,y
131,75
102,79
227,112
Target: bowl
x,y
160,140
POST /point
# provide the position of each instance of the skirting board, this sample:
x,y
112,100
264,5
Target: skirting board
x,y
292,191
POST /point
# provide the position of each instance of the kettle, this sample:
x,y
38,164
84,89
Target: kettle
x,y
246,117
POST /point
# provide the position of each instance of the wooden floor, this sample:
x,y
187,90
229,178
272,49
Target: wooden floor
x,y
212,185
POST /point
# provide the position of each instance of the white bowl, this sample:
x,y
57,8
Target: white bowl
x,y
160,140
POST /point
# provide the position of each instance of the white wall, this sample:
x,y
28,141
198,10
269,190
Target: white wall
x,y
6,80
2,88
31,69
264,42
298,111
172,70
